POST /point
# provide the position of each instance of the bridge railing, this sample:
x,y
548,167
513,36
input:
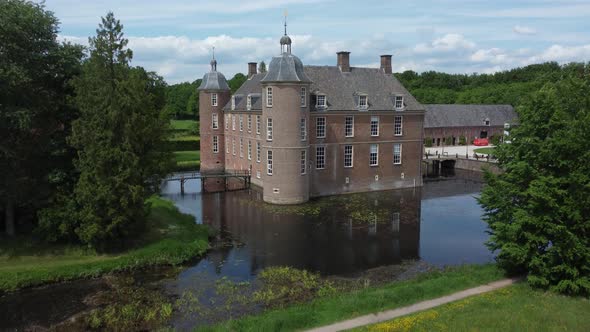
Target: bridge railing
x,y
474,156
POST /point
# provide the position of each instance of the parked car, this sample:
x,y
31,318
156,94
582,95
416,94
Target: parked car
x,y
481,142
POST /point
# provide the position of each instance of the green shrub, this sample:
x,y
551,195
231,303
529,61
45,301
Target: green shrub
x,y
184,145
428,142
495,140
448,140
462,140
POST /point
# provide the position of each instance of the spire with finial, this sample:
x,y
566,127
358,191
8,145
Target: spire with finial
x,y
285,40
213,61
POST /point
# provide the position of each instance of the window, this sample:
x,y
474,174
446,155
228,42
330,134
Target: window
x,y
257,152
249,150
215,144
258,174
213,99
269,162
233,122
302,129
226,146
215,121
303,97
363,102
486,122
348,151
241,123
258,124
399,102
249,123
269,97
303,161
397,125
320,157
233,103
249,102
397,154
233,146
320,127
241,148
349,126
227,121
321,101
374,155
269,129
374,126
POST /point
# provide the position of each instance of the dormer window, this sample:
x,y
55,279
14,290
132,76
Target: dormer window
x,y
249,102
399,102
321,101
233,103
486,122
363,104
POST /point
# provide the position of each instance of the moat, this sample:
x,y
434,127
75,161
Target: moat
x,y
345,236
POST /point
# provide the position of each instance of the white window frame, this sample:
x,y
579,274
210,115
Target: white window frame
x,y
233,103
350,155
258,124
320,159
269,162
215,121
249,102
303,162
233,146
303,96
249,150
319,125
366,103
303,129
376,132
322,97
376,153
398,156
213,99
226,145
227,121
269,129
398,126
233,122
269,96
249,123
401,102
241,148
346,126
241,122
258,152
215,144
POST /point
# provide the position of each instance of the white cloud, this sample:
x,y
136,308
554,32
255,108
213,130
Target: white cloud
x,y
563,54
524,30
448,43
492,55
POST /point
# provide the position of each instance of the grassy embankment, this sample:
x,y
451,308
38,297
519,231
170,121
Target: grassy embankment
x,y
484,150
515,308
185,143
327,310
171,238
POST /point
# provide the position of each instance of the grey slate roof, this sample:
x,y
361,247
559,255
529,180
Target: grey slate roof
x,y
285,68
472,115
342,89
214,80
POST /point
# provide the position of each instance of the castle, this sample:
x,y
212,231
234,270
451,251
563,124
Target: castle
x,y
307,131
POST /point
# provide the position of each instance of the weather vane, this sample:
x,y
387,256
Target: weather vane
x,y
286,22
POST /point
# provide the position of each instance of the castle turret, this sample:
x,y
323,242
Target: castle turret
x,y
285,112
214,93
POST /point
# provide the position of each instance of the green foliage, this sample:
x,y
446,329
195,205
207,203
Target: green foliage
x,y
495,140
171,239
236,82
120,138
538,209
187,143
449,140
428,142
345,305
182,100
262,67
507,87
35,116
462,140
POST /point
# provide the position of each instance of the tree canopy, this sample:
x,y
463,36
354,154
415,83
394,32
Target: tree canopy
x,y
538,209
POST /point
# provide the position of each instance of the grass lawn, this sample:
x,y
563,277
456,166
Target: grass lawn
x,y
183,124
484,150
343,306
182,156
172,238
515,308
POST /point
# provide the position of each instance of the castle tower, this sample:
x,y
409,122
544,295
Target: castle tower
x,y
285,116
214,93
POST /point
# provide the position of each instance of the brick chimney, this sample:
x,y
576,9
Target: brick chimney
x,y
344,61
386,63
252,70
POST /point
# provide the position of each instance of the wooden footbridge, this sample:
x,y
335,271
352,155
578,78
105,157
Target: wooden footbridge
x,y
243,177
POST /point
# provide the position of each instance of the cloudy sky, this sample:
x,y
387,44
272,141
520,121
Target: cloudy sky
x,y
174,37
